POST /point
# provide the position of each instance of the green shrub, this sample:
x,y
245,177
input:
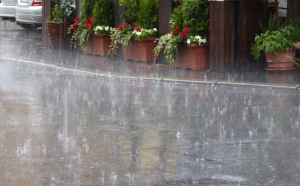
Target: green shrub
x,y
147,14
103,13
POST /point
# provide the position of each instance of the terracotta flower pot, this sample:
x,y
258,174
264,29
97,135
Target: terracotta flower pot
x,y
101,44
144,49
284,60
90,45
58,34
193,57
130,53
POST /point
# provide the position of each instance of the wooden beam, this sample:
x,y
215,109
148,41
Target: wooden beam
x,y
165,9
45,13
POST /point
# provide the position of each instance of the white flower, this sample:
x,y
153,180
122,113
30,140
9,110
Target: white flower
x,y
188,41
197,37
100,27
138,33
107,28
154,29
134,32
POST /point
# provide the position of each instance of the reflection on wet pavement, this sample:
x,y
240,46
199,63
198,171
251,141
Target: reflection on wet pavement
x,y
64,128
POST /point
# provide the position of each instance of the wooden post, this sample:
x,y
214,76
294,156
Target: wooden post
x,y
233,26
248,15
165,9
119,10
78,7
45,13
221,35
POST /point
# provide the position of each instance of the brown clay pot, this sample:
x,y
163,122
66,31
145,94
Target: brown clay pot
x,y
101,44
58,35
281,61
145,49
130,53
90,45
193,57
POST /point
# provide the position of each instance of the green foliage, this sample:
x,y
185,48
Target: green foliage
x,y
87,9
195,16
275,41
115,41
145,33
141,12
130,16
103,13
61,11
147,14
177,17
192,14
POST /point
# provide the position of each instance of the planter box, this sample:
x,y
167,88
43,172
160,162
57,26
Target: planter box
x,y
140,50
144,49
284,60
101,44
58,35
130,53
90,45
193,57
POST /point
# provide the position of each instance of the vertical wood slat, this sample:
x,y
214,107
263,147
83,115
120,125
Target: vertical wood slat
x,y
45,13
221,39
249,14
165,9
293,9
78,7
119,10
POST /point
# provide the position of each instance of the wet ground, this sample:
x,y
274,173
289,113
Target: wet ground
x,y
73,119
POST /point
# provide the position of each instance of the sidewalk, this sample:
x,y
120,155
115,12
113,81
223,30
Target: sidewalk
x,y
20,45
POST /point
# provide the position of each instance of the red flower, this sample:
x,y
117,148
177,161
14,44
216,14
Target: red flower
x,y
138,27
140,30
187,28
91,20
77,18
120,27
132,26
126,25
75,27
89,25
184,32
172,36
177,28
174,31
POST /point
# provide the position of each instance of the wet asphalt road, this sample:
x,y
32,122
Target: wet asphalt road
x,y
72,127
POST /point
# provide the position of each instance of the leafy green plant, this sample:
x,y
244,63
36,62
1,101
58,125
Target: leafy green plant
x,y
147,14
81,31
275,41
61,11
130,14
103,13
87,9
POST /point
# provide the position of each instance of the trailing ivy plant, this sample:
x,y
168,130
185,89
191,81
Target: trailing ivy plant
x,y
61,11
103,13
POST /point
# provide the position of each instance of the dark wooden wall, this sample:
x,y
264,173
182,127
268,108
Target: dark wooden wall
x,y
233,26
45,13
293,8
78,7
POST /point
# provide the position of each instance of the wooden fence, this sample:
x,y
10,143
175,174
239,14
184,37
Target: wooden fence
x,y
233,25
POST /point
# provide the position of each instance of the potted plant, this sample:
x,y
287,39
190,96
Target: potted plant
x,y
277,45
83,28
58,23
103,14
186,46
137,41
